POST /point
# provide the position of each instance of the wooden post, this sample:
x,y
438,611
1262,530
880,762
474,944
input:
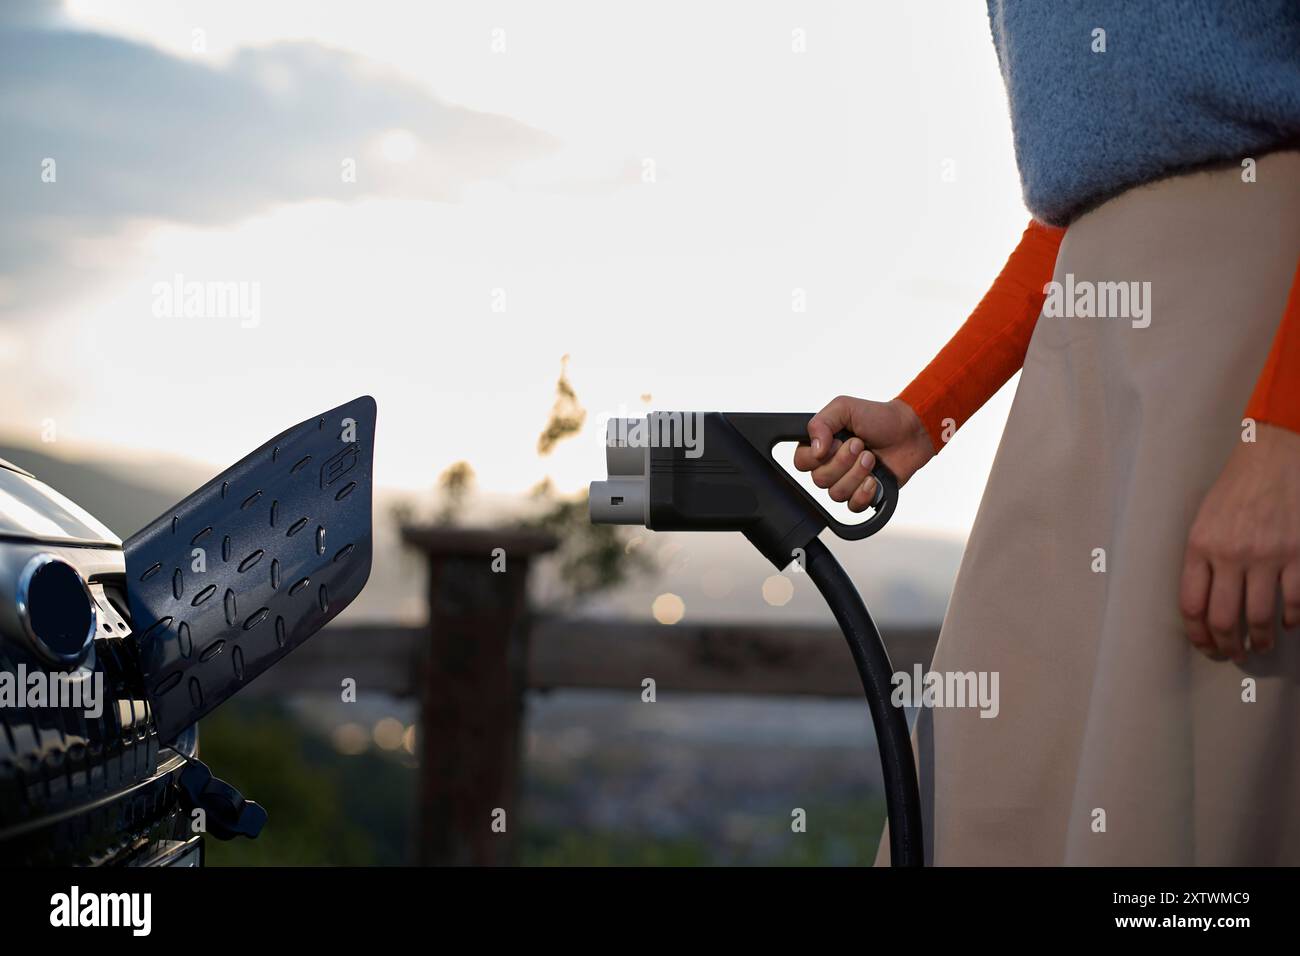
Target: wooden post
x,y
472,681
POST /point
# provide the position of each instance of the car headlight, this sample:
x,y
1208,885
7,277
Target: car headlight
x,y
57,613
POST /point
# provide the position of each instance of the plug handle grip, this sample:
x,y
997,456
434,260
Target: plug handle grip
x,y
766,430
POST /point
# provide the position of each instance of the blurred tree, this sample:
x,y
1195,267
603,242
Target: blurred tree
x,y
567,416
402,512
454,484
592,557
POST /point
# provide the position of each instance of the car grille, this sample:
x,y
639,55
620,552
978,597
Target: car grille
x,y
79,790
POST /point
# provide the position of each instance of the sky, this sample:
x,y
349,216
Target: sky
x,y
731,206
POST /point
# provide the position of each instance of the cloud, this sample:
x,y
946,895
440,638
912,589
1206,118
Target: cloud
x,y
30,13
137,134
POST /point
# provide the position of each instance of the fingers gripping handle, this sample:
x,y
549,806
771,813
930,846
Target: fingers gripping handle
x,y
767,430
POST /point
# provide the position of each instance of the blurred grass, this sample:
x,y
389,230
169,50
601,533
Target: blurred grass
x,y
845,834
549,846
837,835
326,809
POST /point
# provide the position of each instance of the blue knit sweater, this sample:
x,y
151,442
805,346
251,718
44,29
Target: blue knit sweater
x,y
1181,84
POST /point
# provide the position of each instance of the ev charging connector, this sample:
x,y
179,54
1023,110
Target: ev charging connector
x,y
714,471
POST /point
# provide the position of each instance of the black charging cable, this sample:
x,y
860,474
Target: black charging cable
x,y
902,796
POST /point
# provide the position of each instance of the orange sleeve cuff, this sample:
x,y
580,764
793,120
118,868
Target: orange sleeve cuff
x,y
990,346
1276,399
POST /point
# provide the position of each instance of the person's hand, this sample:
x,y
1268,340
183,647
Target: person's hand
x,y
890,429
1244,548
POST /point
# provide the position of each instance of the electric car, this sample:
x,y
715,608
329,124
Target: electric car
x,y
110,651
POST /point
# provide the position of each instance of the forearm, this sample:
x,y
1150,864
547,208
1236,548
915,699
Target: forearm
x,y
990,346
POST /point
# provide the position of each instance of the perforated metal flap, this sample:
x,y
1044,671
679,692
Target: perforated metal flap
x,y
252,564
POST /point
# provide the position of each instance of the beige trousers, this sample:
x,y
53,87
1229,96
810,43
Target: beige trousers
x,y
1115,741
